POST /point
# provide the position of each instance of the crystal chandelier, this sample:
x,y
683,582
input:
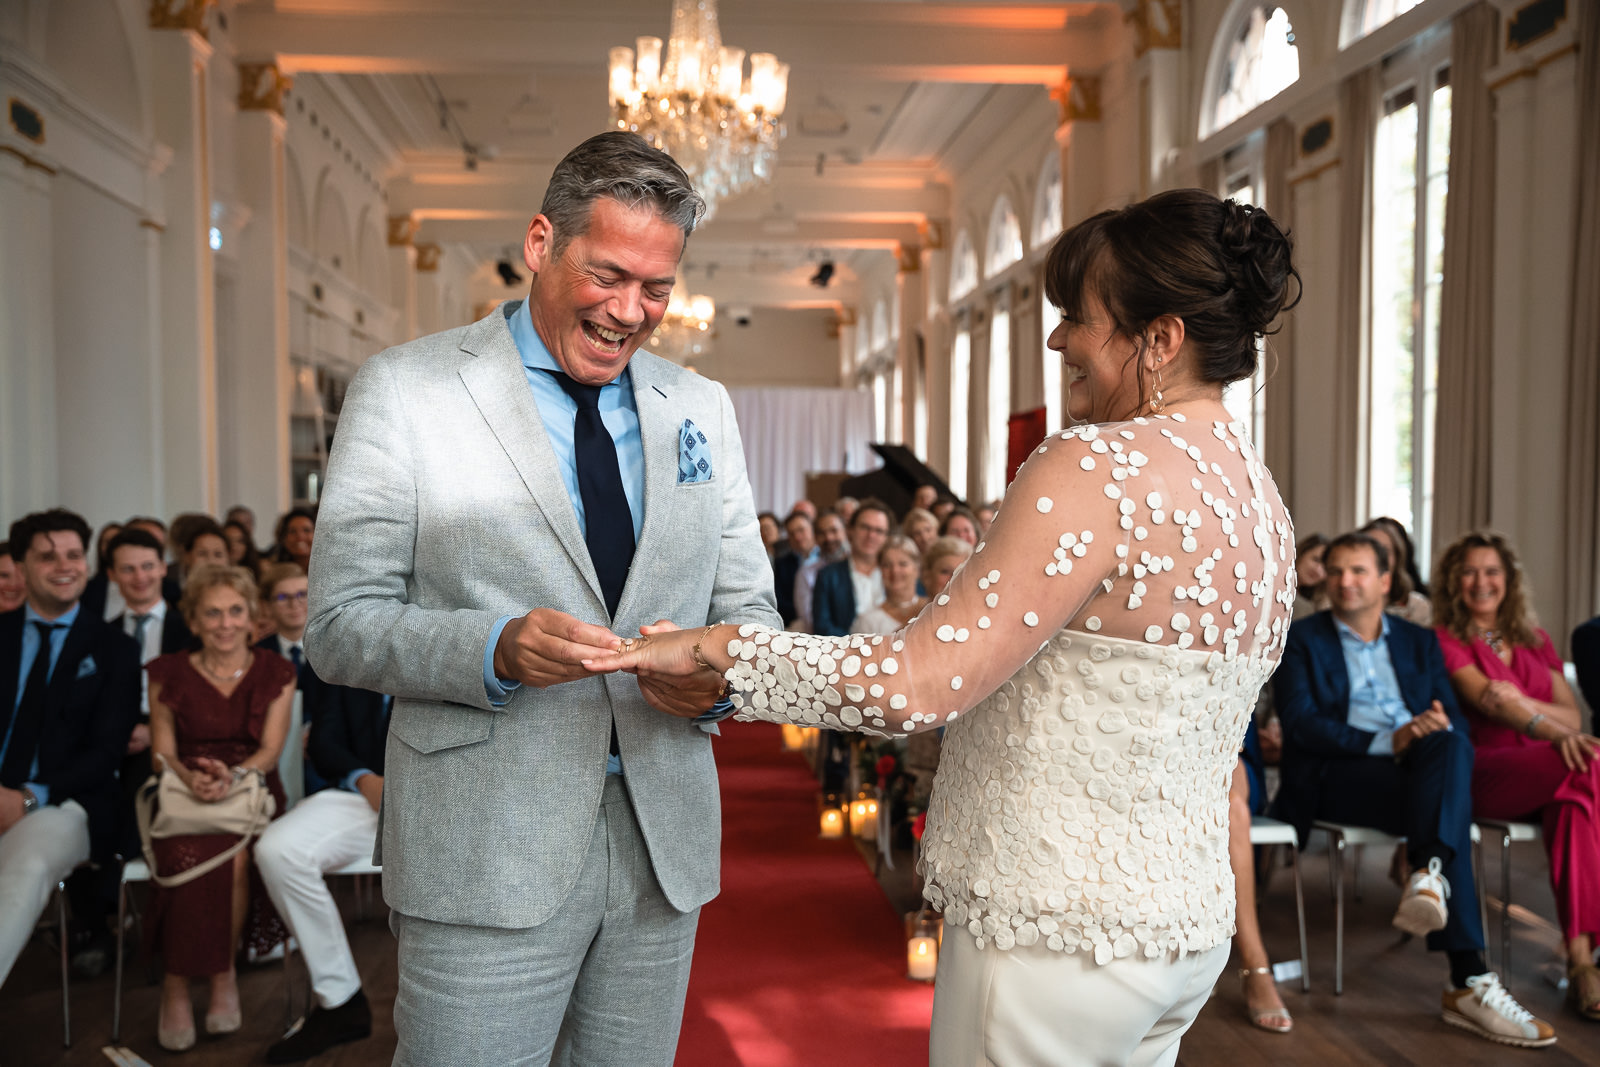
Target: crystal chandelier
x,y
685,330
721,127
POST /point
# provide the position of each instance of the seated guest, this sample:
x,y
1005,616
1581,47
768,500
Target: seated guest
x,y
284,604
13,591
1409,597
924,497
901,566
295,532
325,832
832,546
1309,575
845,507
985,514
962,523
802,550
942,508
1586,659
771,533
245,518
1534,760
203,545
852,585
939,564
71,685
1372,737
216,713
242,552
920,525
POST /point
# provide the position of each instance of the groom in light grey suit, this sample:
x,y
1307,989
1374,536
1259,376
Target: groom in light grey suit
x,y
547,838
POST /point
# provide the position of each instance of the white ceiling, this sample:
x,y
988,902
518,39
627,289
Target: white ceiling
x,y
886,99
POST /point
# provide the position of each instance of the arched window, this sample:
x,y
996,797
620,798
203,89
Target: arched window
x,y
963,267
1047,201
1361,17
880,326
1254,59
993,471
960,387
1005,238
863,343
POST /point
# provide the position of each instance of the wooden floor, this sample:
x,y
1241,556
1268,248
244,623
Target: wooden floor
x,y
1388,1014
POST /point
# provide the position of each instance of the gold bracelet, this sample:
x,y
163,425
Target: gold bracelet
x,y
705,664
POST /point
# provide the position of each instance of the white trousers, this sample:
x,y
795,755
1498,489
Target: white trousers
x,y
1033,1007
323,832
35,854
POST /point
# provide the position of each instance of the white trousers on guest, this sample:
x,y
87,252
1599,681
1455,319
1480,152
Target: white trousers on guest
x,y
1034,1007
323,832
35,854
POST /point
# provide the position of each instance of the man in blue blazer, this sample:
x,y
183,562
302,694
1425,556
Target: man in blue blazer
x,y
1372,737
851,585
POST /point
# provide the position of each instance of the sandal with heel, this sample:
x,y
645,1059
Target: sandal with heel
x,y
1272,1020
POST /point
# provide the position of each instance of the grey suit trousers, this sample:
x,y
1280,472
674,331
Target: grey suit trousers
x,y
600,983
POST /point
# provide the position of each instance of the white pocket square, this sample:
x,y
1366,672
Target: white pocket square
x,y
87,667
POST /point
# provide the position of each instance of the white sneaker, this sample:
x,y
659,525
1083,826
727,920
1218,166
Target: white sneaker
x,y
1422,909
1486,1009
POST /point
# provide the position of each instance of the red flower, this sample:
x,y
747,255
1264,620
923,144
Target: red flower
x,y
919,824
885,767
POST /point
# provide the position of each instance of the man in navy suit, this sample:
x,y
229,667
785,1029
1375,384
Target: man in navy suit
x,y
69,696
1372,737
852,585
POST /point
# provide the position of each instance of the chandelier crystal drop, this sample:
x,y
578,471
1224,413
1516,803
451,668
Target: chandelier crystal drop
x,y
685,330
722,127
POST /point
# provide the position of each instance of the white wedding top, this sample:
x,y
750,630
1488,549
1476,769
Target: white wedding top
x,y
1095,663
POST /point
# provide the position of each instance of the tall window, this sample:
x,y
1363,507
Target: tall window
x,y
1410,168
880,406
1361,17
1245,399
1255,60
960,387
1047,201
963,267
919,403
1005,238
994,460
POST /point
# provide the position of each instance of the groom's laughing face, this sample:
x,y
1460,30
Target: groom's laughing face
x,y
596,302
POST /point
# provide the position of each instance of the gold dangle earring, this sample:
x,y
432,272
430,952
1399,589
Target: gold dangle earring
x,y
1158,405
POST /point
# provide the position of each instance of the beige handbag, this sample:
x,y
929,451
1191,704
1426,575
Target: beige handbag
x,y
166,808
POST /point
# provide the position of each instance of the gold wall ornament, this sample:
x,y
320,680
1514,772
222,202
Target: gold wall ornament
x,y
262,87
909,258
428,257
180,15
402,230
1156,24
932,232
1078,98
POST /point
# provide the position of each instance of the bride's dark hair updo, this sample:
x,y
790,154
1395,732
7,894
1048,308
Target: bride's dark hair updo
x,y
1221,266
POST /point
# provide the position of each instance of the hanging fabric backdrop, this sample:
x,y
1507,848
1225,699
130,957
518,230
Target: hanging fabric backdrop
x,y
791,432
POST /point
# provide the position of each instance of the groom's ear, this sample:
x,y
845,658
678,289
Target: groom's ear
x,y
539,246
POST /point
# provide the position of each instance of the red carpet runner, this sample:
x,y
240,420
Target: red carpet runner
x,y
801,960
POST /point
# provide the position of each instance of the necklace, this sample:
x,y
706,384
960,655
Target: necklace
x,y
1493,639
201,659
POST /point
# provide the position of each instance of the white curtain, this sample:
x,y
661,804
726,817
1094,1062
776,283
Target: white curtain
x,y
789,433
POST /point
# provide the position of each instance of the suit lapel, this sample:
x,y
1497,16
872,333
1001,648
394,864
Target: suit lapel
x,y
10,659
498,385
1332,655
658,436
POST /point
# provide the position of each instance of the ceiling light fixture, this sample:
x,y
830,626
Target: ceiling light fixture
x,y
824,274
685,330
722,127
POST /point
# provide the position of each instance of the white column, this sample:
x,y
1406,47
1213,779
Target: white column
x,y
28,476
848,325
187,309
429,289
912,284
1311,489
403,274
259,376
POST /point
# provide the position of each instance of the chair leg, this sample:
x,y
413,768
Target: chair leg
x,y
1355,872
1300,914
1337,858
289,1015
1483,899
1505,909
66,1000
122,926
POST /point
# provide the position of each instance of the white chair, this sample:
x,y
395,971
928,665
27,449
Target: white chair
x,y
1505,833
133,870
1270,832
61,932
1340,836
291,761
360,870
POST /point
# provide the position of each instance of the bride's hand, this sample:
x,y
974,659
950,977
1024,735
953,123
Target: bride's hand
x,y
667,654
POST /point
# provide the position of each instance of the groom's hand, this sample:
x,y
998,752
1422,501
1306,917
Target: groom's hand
x,y
547,647
686,696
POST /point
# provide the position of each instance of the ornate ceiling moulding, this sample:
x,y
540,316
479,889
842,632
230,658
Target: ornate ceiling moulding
x,y
180,15
402,231
1078,98
428,257
1156,24
262,87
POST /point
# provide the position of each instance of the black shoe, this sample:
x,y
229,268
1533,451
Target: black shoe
x,y
323,1029
92,955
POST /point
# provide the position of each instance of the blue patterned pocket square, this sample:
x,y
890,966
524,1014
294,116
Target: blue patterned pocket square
x,y
87,667
694,455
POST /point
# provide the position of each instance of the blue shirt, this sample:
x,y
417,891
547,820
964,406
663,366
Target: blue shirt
x,y
30,652
1375,700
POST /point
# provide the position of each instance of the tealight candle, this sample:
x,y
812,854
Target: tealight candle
x,y
922,958
832,822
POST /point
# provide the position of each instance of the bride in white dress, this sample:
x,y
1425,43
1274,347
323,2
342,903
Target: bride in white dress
x,y
1094,663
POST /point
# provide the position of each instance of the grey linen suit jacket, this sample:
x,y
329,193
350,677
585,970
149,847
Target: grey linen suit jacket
x,y
444,510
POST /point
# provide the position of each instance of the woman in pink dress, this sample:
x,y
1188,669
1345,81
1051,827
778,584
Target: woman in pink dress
x,y
1533,760
214,714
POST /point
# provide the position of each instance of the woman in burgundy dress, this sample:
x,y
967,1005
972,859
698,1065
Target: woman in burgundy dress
x,y
214,713
1533,759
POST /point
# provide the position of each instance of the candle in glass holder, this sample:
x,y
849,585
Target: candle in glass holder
x,y
864,818
794,737
832,822
922,958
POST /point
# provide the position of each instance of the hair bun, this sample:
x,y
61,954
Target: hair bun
x,y
1256,255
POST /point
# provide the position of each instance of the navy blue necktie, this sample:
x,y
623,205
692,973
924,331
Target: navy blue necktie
x,y
608,522
29,720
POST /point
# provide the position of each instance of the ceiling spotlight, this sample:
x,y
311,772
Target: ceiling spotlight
x,y
824,274
508,273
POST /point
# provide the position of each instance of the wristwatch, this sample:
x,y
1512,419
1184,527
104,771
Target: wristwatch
x,y
30,803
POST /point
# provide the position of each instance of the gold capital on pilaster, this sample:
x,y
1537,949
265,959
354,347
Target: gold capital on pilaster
x,y
932,232
261,87
428,257
909,258
1078,98
1156,24
402,230
180,15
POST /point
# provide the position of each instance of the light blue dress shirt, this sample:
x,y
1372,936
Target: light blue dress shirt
x,y
30,652
558,412
1375,700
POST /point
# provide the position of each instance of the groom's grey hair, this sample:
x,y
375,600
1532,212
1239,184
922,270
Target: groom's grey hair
x,y
621,166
